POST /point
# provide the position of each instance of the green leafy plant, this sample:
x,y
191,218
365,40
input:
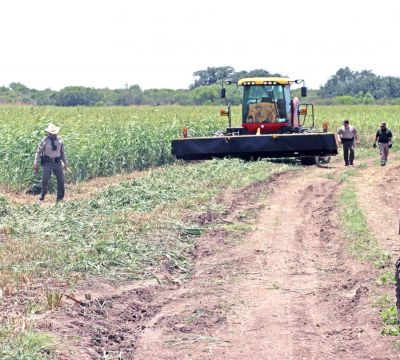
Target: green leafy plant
x,y
53,298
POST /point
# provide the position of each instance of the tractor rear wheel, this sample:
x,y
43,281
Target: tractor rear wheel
x,y
309,160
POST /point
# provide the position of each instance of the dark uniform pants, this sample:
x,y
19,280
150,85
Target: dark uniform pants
x,y
348,152
55,167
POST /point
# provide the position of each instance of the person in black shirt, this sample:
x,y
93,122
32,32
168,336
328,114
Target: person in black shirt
x,y
384,138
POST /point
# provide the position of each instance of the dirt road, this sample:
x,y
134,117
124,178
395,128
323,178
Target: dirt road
x,y
289,289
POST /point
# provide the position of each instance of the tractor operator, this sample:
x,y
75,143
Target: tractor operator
x,y
51,155
348,136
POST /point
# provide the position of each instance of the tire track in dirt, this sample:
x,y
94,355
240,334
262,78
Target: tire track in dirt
x,y
378,192
288,291
110,322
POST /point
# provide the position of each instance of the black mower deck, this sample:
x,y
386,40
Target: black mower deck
x,y
258,146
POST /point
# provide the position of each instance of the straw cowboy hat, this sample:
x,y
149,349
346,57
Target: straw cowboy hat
x,y
52,129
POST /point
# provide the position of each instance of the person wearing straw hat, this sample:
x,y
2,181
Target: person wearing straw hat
x,y
51,155
384,138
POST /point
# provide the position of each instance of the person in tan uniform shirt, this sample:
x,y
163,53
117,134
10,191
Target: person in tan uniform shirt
x,y
51,155
348,136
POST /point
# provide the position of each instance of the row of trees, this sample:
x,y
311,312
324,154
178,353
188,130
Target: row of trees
x,y
204,90
345,87
361,84
214,75
131,95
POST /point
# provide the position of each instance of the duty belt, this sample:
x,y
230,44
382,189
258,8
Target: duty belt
x,y
46,158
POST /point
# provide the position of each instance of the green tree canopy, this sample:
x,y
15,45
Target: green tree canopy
x,y
360,84
345,86
213,75
77,95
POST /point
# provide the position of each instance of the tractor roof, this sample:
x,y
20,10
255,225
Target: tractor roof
x,y
265,81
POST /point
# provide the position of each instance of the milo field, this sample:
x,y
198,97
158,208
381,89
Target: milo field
x,y
108,141
132,219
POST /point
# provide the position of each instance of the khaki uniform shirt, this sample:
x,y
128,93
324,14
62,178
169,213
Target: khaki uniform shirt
x,y
347,133
45,148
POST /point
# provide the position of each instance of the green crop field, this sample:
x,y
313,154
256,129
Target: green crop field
x,y
107,141
365,118
99,141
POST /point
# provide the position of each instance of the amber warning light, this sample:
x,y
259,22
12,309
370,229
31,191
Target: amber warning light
x,y
224,112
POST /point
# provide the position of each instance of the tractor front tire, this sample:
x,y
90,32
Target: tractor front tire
x,y
308,160
324,159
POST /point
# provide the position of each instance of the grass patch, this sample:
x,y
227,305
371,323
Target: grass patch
x,y
387,278
24,343
362,165
361,242
347,174
329,176
388,314
125,231
363,245
236,230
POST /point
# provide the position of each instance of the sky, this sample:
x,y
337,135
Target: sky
x,y
161,43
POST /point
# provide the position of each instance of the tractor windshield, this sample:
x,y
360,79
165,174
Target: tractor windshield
x,y
264,104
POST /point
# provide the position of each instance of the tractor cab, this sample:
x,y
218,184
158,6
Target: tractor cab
x,y
267,106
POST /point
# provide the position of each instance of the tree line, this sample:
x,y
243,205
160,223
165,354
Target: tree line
x,y
344,87
365,86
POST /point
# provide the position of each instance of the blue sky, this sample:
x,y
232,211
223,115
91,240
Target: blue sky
x,y
160,44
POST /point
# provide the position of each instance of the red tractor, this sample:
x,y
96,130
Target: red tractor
x,y
273,126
